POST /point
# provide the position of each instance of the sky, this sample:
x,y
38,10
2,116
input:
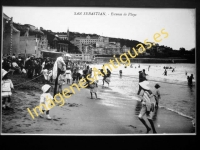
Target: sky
x,y
139,23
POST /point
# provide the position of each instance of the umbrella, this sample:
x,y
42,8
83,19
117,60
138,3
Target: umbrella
x,y
67,55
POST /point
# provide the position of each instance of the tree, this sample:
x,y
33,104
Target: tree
x,y
193,50
182,51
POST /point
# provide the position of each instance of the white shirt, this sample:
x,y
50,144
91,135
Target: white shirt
x,y
15,64
45,98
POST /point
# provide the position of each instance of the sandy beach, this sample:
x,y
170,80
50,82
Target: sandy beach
x,y
81,115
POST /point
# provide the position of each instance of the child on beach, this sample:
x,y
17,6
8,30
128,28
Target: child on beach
x,y
147,106
44,99
93,88
6,93
61,80
74,75
68,74
157,94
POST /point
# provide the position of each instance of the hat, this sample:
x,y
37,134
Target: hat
x,y
157,85
3,72
45,87
144,85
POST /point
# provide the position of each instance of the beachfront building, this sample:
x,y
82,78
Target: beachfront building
x,y
20,39
125,49
29,46
64,36
112,48
62,47
11,36
91,40
43,43
81,42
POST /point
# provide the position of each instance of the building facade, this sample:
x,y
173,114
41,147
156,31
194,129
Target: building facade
x,y
43,43
64,36
29,46
11,36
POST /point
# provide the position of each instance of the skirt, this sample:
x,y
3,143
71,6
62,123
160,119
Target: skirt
x,y
6,94
68,76
93,90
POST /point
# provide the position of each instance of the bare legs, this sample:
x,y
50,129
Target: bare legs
x,y
145,124
92,96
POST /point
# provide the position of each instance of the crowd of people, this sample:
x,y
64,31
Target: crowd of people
x,y
33,67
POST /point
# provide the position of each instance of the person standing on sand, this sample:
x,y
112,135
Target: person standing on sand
x,y
147,106
190,79
61,81
93,88
7,86
44,100
157,94
58,67
104,77
74,76
68,74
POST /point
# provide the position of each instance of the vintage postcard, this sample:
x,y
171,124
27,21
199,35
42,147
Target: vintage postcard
x,y
98,71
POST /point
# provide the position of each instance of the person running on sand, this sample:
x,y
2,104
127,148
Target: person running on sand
x,y
157,94
93,88
44,99
147,106
6,93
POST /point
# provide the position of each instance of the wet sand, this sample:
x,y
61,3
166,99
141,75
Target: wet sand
x,y
82,115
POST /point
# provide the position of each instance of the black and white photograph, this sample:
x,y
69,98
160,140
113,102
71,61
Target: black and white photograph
x,y
98,71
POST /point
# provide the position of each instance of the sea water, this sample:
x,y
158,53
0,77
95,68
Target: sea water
x,y
176,95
